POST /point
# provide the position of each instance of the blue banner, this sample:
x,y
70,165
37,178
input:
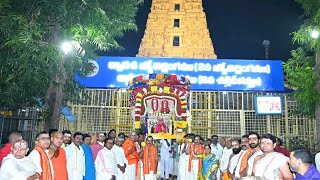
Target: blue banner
x,y
204,74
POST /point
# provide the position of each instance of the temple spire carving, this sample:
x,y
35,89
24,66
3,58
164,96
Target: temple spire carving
x,y
177,28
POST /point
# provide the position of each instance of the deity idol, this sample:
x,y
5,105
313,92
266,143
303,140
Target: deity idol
x,y
154,104
160,126
165,107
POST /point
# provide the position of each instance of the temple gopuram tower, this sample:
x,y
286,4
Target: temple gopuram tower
x,y
177,28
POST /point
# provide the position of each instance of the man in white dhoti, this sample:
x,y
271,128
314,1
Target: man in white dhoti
x,y
271,165
106,163
183,159
256,151
121,160
174,159
216,149
226,153
234,158
164,158
16,166
75,158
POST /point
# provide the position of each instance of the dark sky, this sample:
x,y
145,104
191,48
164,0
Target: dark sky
x,y
237,28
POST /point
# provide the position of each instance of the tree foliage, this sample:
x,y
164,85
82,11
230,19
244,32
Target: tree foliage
x,y
302,69
299,76
31,34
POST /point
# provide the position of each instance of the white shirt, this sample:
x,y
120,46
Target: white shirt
x,y
35,157
120,157
121,160
224,161
106,164
75,162
17,169
317,161
233,163
180,149
164,151
217,150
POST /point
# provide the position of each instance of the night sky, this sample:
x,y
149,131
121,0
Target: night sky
x,y
237,28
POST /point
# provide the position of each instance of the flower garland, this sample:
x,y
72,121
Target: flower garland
x,y
178,93
164,86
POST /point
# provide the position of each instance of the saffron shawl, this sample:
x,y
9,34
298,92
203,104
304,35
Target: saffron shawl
x,y
198,150
152,159
244,162
46,173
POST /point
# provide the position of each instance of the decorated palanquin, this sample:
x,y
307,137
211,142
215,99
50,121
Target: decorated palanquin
x,y
159,104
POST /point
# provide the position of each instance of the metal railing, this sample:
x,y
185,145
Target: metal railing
x,y
29,127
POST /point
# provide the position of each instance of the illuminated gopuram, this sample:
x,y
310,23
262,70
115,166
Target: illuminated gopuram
x,y
177,28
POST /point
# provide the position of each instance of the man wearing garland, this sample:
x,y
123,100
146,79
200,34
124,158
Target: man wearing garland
x,y
149,157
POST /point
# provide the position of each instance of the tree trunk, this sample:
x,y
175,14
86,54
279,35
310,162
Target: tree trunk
x,y
55,95
54,100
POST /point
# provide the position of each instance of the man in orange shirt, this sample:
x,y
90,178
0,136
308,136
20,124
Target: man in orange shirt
x,y
195,163
58,156
132,155
150,159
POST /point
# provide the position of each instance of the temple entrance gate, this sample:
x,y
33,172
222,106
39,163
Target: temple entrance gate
x,y
222,113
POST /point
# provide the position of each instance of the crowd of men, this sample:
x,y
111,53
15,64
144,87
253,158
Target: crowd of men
x,y
62,156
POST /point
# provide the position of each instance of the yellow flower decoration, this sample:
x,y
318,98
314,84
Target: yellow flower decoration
x,y
166,89
154,88
139,95
143,144
137,125
181,124
151,82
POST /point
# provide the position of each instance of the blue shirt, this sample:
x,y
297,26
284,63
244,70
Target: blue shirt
x,y
90,169
311,174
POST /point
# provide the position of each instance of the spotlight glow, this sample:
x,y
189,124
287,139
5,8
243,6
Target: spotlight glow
x,y
66,47
314,34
